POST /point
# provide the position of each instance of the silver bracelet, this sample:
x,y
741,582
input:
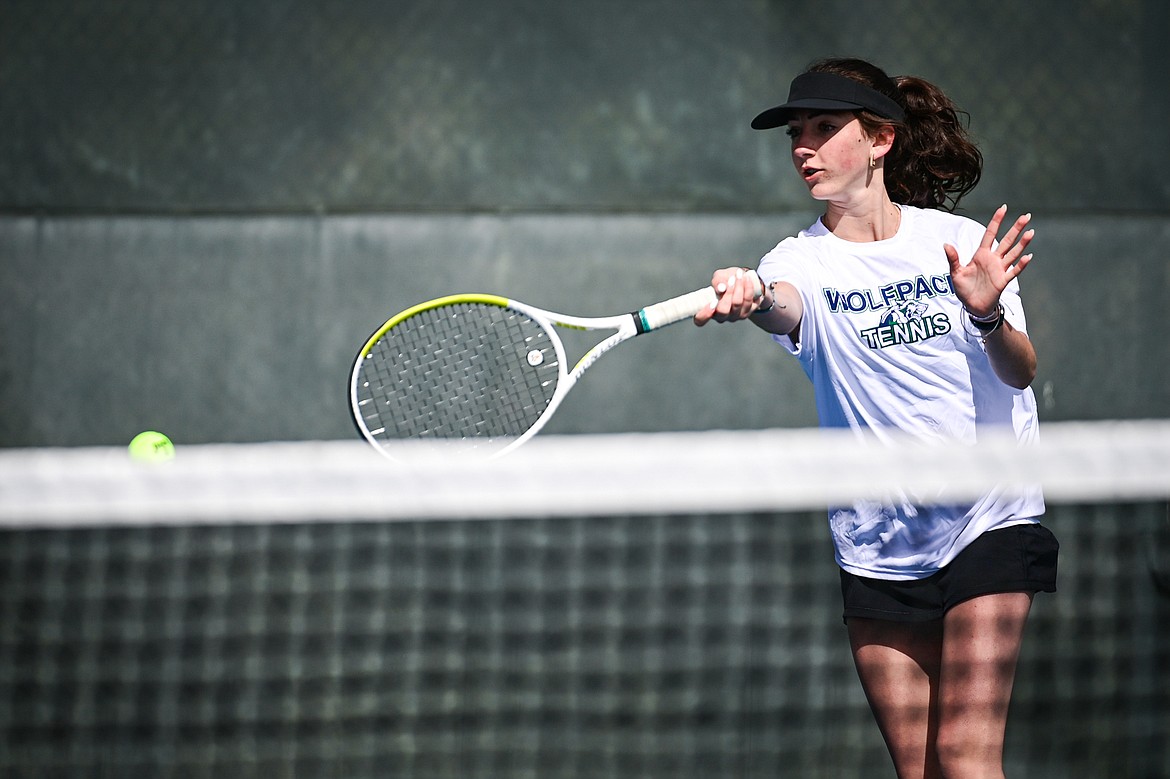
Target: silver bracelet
x,y
771,305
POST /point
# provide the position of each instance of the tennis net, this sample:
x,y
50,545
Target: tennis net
x,y
612,606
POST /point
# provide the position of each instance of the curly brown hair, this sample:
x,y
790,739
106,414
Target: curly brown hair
x,y
933,162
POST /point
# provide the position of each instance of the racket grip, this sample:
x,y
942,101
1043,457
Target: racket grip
x,y
674,310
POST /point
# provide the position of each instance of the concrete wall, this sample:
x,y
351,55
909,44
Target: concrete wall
x,y
243,329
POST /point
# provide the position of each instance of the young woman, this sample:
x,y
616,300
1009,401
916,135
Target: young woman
x,y
907,319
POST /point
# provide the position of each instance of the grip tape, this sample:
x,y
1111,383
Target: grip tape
x,y
674,310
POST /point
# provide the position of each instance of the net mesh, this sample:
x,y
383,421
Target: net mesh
x,y
152,629
458,370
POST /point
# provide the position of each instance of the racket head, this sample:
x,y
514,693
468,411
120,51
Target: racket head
x,y
478,373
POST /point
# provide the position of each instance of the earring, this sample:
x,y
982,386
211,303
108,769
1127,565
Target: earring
x,y
872,159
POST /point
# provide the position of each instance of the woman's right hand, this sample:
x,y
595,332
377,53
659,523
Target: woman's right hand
x,y
740,293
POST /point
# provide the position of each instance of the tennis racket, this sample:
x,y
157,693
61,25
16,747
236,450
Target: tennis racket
x,y
482,370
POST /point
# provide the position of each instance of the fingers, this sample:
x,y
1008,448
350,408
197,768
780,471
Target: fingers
x,y
1008,243
952,257
989,235
1020,264
738,289
1010,249
1014,259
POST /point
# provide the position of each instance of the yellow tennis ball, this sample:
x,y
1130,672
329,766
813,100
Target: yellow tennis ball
x,y
151,447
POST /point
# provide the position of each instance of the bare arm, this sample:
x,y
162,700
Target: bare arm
x,y
1012,356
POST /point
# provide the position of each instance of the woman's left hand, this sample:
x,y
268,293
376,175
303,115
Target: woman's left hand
x,y
980,282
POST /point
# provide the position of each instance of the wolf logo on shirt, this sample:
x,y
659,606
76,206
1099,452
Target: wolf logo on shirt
x,y
904,313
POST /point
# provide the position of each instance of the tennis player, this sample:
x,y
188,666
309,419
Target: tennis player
x,y
907,319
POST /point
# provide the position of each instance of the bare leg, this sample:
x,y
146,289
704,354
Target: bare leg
x,y
899,665
981,644
940,690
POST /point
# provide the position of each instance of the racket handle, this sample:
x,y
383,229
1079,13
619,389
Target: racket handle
x,y
674,310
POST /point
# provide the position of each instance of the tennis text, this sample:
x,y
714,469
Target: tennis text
x,y
907,332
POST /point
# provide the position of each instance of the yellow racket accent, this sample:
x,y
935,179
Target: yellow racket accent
x,y
449,300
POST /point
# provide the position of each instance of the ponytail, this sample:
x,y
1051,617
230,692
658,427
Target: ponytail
x,y
934,163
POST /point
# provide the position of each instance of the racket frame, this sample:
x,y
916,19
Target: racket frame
x,y
625,327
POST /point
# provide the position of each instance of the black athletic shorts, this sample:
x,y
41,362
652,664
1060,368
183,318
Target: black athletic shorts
x,y
1019,558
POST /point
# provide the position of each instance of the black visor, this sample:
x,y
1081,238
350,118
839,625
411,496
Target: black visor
x,y
828,92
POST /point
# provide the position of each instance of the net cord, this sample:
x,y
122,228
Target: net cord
x,y
587,475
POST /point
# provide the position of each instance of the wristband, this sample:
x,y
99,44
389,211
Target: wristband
x,y
986,325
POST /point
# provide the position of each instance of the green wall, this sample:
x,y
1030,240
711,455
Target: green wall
x,y
206,207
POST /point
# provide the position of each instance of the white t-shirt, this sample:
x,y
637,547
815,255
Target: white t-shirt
x,y
889,351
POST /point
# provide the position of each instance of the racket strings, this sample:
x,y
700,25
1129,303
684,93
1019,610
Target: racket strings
x,y
465,370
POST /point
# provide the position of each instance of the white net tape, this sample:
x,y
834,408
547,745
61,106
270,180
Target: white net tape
x,y
569,475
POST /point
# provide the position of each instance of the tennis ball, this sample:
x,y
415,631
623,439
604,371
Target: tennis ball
x,y
151,447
